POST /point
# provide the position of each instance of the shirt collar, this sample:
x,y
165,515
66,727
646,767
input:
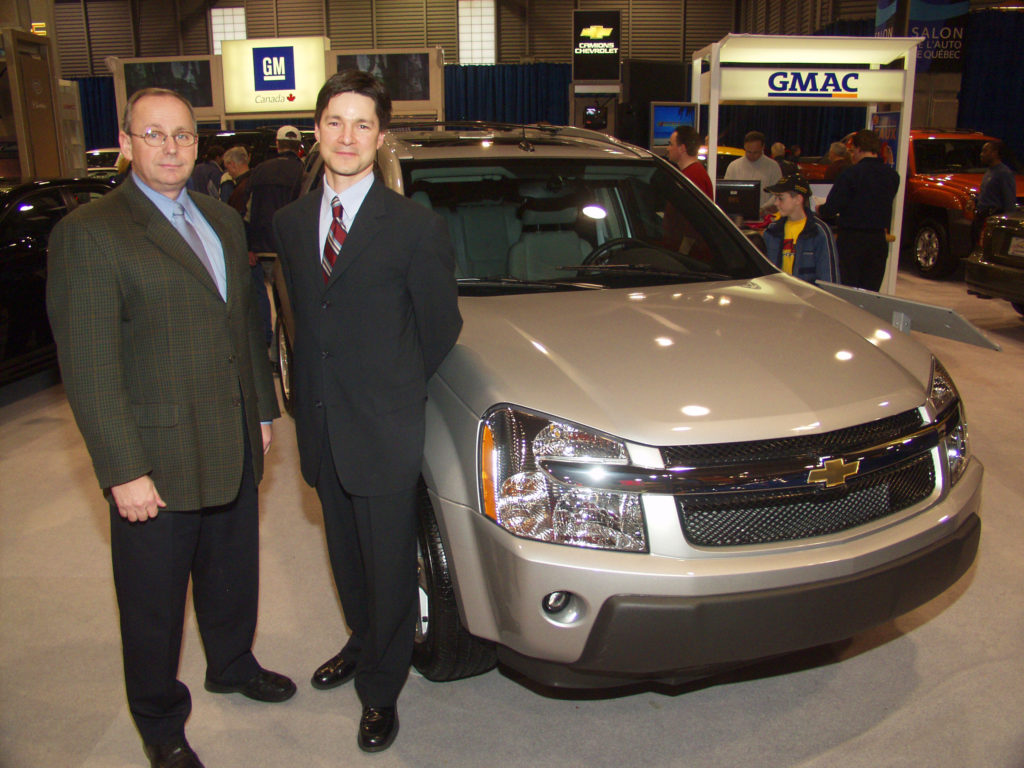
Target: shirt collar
x,y
164,204
351,198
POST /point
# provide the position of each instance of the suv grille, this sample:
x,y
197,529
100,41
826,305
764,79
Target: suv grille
x,y
792,512
731,519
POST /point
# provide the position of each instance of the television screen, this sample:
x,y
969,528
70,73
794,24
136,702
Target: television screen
x,y
189,78
406,75
739,198
666,117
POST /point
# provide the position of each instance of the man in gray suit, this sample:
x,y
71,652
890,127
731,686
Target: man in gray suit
x,y
165,368
370,275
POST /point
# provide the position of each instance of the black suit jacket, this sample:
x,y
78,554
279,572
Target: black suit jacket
x,y
367,342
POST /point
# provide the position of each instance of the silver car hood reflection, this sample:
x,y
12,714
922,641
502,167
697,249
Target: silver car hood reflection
x,y
695,363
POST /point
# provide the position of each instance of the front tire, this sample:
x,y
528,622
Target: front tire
x,y
443,650
931,250
284,363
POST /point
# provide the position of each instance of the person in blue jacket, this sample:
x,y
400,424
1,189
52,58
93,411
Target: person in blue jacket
x,y
798,242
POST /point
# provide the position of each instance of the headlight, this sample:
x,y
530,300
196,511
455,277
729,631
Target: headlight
x,y
520,496
942,397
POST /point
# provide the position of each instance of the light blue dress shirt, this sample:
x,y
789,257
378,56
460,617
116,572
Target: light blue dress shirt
x,y
211,242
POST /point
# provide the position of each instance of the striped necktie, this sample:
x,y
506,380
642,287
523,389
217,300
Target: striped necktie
x,y
335,239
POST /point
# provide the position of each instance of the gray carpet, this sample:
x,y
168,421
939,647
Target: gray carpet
x,y
942,687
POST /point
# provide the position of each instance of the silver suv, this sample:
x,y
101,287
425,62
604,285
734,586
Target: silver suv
x,y
651,455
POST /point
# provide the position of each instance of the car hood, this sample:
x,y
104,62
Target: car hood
x,y
966,183
721,362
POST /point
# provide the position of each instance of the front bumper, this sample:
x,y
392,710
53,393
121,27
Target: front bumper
x,y
672,617
637,637
996,281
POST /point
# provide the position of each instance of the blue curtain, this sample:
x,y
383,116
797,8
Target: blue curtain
x,y
991,90
508,93
99,111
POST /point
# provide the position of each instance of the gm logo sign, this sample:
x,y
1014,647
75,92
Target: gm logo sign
x,y
274,68
826,85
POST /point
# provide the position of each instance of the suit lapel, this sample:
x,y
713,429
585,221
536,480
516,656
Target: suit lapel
x,y
162,234
368,222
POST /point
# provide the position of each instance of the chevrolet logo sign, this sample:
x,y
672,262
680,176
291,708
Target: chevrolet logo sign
x,y
595,32
833,473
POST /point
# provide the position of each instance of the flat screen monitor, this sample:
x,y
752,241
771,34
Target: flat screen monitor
x,y
739,198
190,78
406,75
666,116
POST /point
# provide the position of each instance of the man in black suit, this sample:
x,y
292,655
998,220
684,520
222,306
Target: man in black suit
x,y
153,311
370,275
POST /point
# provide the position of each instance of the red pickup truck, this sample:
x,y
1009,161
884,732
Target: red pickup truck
x,y
944,172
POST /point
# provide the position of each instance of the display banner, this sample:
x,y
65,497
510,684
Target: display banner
x,y
842,87
273,75
889,20
595,53
941,23
887,125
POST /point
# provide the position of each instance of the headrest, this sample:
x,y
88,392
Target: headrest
x,y
560,216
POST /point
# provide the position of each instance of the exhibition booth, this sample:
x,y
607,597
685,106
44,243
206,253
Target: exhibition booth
x,y
804,70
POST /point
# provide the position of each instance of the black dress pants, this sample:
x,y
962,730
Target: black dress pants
x,y
371,542
862,257
219,548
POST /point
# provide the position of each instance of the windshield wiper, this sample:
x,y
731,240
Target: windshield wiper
x,y
516,282
647,269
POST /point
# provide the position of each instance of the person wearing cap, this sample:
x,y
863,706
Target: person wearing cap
x,y
798,242
271,187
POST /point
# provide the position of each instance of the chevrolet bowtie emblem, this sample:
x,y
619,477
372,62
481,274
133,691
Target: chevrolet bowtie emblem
x,y
596,32
833,473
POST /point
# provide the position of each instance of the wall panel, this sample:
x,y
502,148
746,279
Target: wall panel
x,y
110,32
350,23
511,32
298,18
70,38
157,27
551,30
443,28
400,23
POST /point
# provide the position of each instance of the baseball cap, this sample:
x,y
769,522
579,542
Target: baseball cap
x,y
794,183
288,133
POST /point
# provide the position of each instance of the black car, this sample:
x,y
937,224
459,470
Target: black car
x,y
28,212
995,270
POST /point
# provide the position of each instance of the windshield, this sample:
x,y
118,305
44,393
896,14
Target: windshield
x,y
104,158
948,155
527,225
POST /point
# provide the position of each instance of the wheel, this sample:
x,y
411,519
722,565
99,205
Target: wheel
x,y
444,650
284,363
931,250
600,253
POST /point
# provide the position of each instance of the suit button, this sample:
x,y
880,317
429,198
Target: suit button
x,y
318,404
325,304
325,354
236,401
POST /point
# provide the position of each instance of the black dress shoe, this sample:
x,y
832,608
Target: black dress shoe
x,y
333,672
263,686
377,728
172,754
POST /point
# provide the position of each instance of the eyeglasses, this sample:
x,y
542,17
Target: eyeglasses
x,y
159,138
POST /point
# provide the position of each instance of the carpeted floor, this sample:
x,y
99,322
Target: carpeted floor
x,y
942,687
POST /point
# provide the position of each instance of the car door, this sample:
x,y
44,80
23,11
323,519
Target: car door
x,y
26,343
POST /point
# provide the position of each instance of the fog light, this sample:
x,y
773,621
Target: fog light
x,y
556,602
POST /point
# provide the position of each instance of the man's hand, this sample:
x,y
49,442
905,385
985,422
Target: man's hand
x,y
268,434
137,500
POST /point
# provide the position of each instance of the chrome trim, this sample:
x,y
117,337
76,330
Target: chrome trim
x,y
791,473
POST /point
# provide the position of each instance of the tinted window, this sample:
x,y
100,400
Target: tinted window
x,y
948,155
